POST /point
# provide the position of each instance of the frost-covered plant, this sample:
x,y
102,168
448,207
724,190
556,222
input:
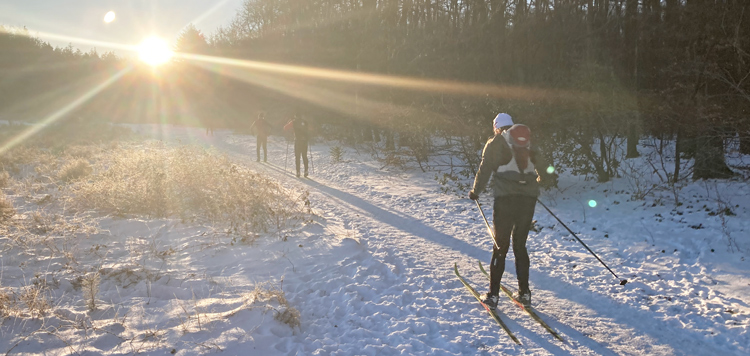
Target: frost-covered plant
x,y
6,208
285,313
90,285
74,170
7,303
4,179
36,299
336,153
186,182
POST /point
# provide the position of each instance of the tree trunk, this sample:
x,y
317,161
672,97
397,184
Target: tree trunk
x,y
709,157
390,143
677,148
745,143
367,133
632,141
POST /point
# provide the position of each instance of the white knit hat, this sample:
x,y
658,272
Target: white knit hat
x,y
501,120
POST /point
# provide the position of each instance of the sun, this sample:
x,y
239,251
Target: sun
x,y
154,51
109,17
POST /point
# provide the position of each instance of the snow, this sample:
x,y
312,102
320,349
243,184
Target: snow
x,y
372,272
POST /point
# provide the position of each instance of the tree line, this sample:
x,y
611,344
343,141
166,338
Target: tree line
x,y
584,74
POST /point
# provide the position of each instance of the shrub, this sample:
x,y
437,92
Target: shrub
x,y
36,299
337,153
4,179
187,182
7,303
285,313
74,170
90,285
6,208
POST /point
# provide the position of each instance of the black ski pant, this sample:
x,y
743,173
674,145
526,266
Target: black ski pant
x,y
300,150
512,216
262,141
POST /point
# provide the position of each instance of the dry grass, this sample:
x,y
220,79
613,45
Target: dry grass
x,y
6,208
4,179
285,313
36,299
187,182
146,179
75,169
7,303
16,159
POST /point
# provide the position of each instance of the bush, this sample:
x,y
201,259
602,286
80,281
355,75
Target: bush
x,y
4,179
337,154
6,208
187,182
74,170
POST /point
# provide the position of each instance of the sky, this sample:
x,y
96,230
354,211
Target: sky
x,y
135,19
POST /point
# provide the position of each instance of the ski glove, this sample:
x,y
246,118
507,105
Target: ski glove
x,y
549,182
473,196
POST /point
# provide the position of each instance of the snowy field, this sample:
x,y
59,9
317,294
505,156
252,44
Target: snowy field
x,y
371,273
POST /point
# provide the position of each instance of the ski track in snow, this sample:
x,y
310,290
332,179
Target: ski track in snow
x,y
400,296
373,273
408,301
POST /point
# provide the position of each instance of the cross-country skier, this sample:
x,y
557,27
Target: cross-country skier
x,y
516,167
262,129
301,136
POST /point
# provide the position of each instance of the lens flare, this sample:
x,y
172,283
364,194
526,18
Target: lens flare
x,y
550,170
109,17
154,51
592,203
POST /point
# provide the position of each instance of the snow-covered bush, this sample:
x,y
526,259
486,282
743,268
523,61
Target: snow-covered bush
x,y
90,285
274,298
187,182
337,154
75,169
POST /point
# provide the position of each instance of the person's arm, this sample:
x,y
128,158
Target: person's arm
x,y
289,125
495,153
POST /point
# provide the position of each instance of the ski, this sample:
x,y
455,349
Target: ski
x,y
479,298
524,308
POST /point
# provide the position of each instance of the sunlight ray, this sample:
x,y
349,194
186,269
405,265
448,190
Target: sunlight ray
x,y
63,111
345,103
187,112
426,85
78,40
419,84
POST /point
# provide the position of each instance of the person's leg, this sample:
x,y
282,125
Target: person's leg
x,y
257,148
501,216
265,148
296,155
303,149
524,214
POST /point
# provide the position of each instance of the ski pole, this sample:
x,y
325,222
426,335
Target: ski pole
x,y
622,281
487,223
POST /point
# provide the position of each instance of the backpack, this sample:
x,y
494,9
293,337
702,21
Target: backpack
x,y
519,139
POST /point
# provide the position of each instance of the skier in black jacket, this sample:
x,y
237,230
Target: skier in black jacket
x,y
516,167
301,136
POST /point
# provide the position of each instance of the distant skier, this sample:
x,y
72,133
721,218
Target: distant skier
x,y
262,129
518,168
301,136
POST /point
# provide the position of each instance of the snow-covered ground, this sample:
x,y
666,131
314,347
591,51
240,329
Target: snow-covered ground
x,y
372,272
